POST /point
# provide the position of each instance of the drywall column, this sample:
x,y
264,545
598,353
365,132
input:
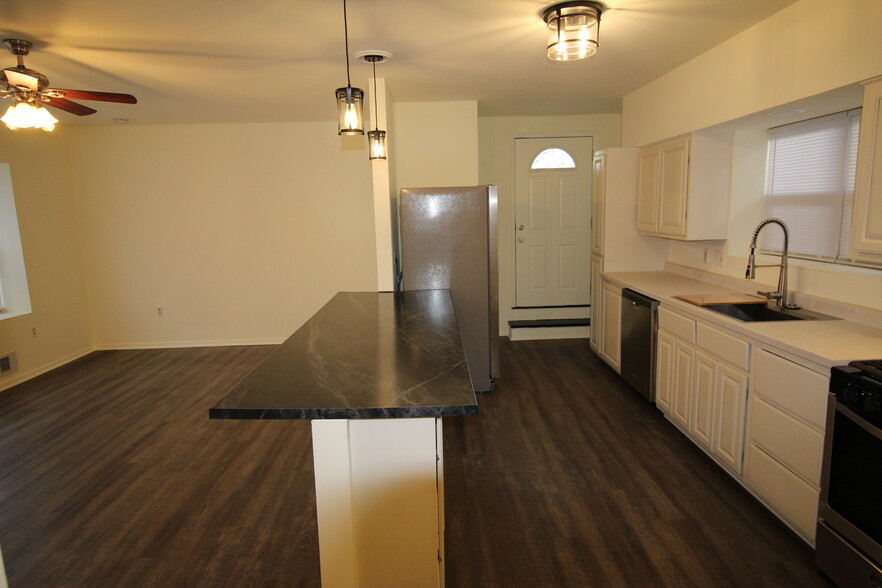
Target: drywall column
x,y
382,196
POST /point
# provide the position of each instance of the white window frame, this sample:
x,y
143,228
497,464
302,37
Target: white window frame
x,y
794,187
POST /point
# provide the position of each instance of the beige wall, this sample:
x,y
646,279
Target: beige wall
x,y
45,208
436,144
496,150
239,232
808,48
774,62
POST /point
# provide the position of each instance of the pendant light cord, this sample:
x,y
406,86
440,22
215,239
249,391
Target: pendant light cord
x,y
376,107
346,37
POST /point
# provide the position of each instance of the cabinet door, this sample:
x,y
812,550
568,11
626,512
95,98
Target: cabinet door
x,y
664,370
681,384
598,195
673,187
596,304
612,326
728,431
868,181
647,190
703,399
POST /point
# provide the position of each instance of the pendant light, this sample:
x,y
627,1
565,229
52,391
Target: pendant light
x,y
376,138
350,118
573,28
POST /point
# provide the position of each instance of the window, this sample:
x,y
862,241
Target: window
x,y
14,297
810,186
553,158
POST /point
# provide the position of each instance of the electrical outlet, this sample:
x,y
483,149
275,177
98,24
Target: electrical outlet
x,y
158,311
718,257
33,331
706,257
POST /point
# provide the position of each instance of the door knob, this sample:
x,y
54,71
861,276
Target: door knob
x,y
520,227
520,239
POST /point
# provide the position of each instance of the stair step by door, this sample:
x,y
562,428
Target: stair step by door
x,y
526,330
537,323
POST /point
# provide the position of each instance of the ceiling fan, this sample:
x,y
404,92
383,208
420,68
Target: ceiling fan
x,y
29,92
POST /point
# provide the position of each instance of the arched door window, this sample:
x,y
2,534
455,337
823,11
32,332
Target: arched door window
x,y
553,158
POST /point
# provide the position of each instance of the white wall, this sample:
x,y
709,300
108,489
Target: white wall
x,y
497,166
45,208
805,49
775,62
436,144
239,232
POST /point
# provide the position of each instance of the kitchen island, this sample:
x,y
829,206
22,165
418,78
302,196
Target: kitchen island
x,y
374,372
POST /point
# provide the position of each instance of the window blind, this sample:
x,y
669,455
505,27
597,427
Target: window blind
x,y
810,185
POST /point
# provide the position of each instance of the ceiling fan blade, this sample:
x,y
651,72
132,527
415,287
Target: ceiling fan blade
x,y
68,106
19,79
99,96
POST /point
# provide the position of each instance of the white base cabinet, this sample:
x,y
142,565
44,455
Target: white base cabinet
x,y
701,385
785,439
611,338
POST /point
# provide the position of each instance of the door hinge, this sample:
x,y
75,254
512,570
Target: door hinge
x,y
439,556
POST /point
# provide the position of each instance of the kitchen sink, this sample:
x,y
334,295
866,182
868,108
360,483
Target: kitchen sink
x,y
766,312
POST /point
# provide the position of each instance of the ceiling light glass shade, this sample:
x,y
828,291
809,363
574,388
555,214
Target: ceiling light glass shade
x,y
573,29
350,114
24,115
377,142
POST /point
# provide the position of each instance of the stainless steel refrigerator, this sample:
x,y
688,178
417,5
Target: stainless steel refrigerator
x,y
448,240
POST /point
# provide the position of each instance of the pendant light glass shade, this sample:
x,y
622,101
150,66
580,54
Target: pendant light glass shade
x,y
377,142
24,115
350,111
573,29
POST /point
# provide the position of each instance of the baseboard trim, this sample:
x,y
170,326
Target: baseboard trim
x,y
15,379
180,344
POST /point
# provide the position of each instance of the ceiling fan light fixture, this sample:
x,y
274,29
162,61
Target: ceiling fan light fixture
x,y
24,115
573,29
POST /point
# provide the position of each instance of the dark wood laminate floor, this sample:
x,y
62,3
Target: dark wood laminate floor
x,y
111,475
570,478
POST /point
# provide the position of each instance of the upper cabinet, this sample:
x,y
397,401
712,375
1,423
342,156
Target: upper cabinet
x,y
868,180
683,188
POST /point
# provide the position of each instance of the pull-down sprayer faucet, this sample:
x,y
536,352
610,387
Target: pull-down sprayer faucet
x,y
780,296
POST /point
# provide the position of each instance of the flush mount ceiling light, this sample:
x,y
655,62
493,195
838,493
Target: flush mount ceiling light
x,y
573,28
376,138
350,117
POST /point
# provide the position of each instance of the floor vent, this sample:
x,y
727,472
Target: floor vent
x,y
7,363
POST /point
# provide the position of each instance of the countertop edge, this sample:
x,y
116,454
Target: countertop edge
x,y
627,280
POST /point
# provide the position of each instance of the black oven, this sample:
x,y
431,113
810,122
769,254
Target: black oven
x,y
849,534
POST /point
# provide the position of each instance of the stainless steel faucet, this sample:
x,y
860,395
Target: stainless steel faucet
x,y
780,296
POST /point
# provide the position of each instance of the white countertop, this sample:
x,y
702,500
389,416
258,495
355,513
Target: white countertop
x,y
826,343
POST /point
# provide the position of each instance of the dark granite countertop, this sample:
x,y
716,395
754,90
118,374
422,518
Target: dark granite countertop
x,y
364,355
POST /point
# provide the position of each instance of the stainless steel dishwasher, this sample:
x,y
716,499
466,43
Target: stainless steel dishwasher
x,y
639,325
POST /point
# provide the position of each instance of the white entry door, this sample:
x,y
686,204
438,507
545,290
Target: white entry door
x,y
552,221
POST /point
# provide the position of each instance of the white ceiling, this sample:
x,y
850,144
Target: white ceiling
x,y
192,61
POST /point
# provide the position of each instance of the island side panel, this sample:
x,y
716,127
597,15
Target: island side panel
x,y
331,449
391,510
